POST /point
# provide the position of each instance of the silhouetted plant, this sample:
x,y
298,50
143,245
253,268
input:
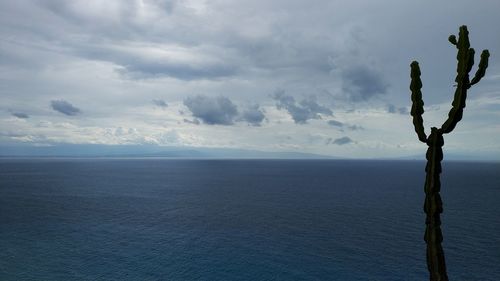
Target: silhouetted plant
x,y
433,206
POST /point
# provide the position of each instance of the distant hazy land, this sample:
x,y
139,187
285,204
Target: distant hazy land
x,y
133,151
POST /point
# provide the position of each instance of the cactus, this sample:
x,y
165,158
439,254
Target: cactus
x,y
433,206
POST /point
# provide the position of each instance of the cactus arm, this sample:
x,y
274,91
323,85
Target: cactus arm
x,y
433,207
456,112
453,39
483,64
417,108
462,79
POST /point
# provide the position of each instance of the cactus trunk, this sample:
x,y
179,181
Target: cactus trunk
x,y
433,208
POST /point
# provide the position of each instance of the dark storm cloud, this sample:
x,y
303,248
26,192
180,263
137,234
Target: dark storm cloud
x,y
20,115
304,110
212,110
253,115
342,141
160,103
64,107
363,82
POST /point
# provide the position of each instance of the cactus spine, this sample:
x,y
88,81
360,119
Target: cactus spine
x,y
433,206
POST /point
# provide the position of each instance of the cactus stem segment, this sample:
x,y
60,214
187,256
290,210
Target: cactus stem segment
x,y
433,207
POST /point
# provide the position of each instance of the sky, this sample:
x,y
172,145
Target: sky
x,y
323,77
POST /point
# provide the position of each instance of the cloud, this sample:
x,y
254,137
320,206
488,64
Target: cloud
x,y
391,108
143,68
354,127
304,110
64,107
253,115
194,121
342,141
160,103
222,111
335,123
212,110
144,40
363,82
403,111
20,115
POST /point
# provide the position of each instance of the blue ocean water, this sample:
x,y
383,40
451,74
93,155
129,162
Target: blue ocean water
x,y
159,219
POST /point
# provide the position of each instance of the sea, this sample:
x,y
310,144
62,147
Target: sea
x,y
208,219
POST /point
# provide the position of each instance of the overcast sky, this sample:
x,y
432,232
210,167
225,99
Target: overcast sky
x,y
326,77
